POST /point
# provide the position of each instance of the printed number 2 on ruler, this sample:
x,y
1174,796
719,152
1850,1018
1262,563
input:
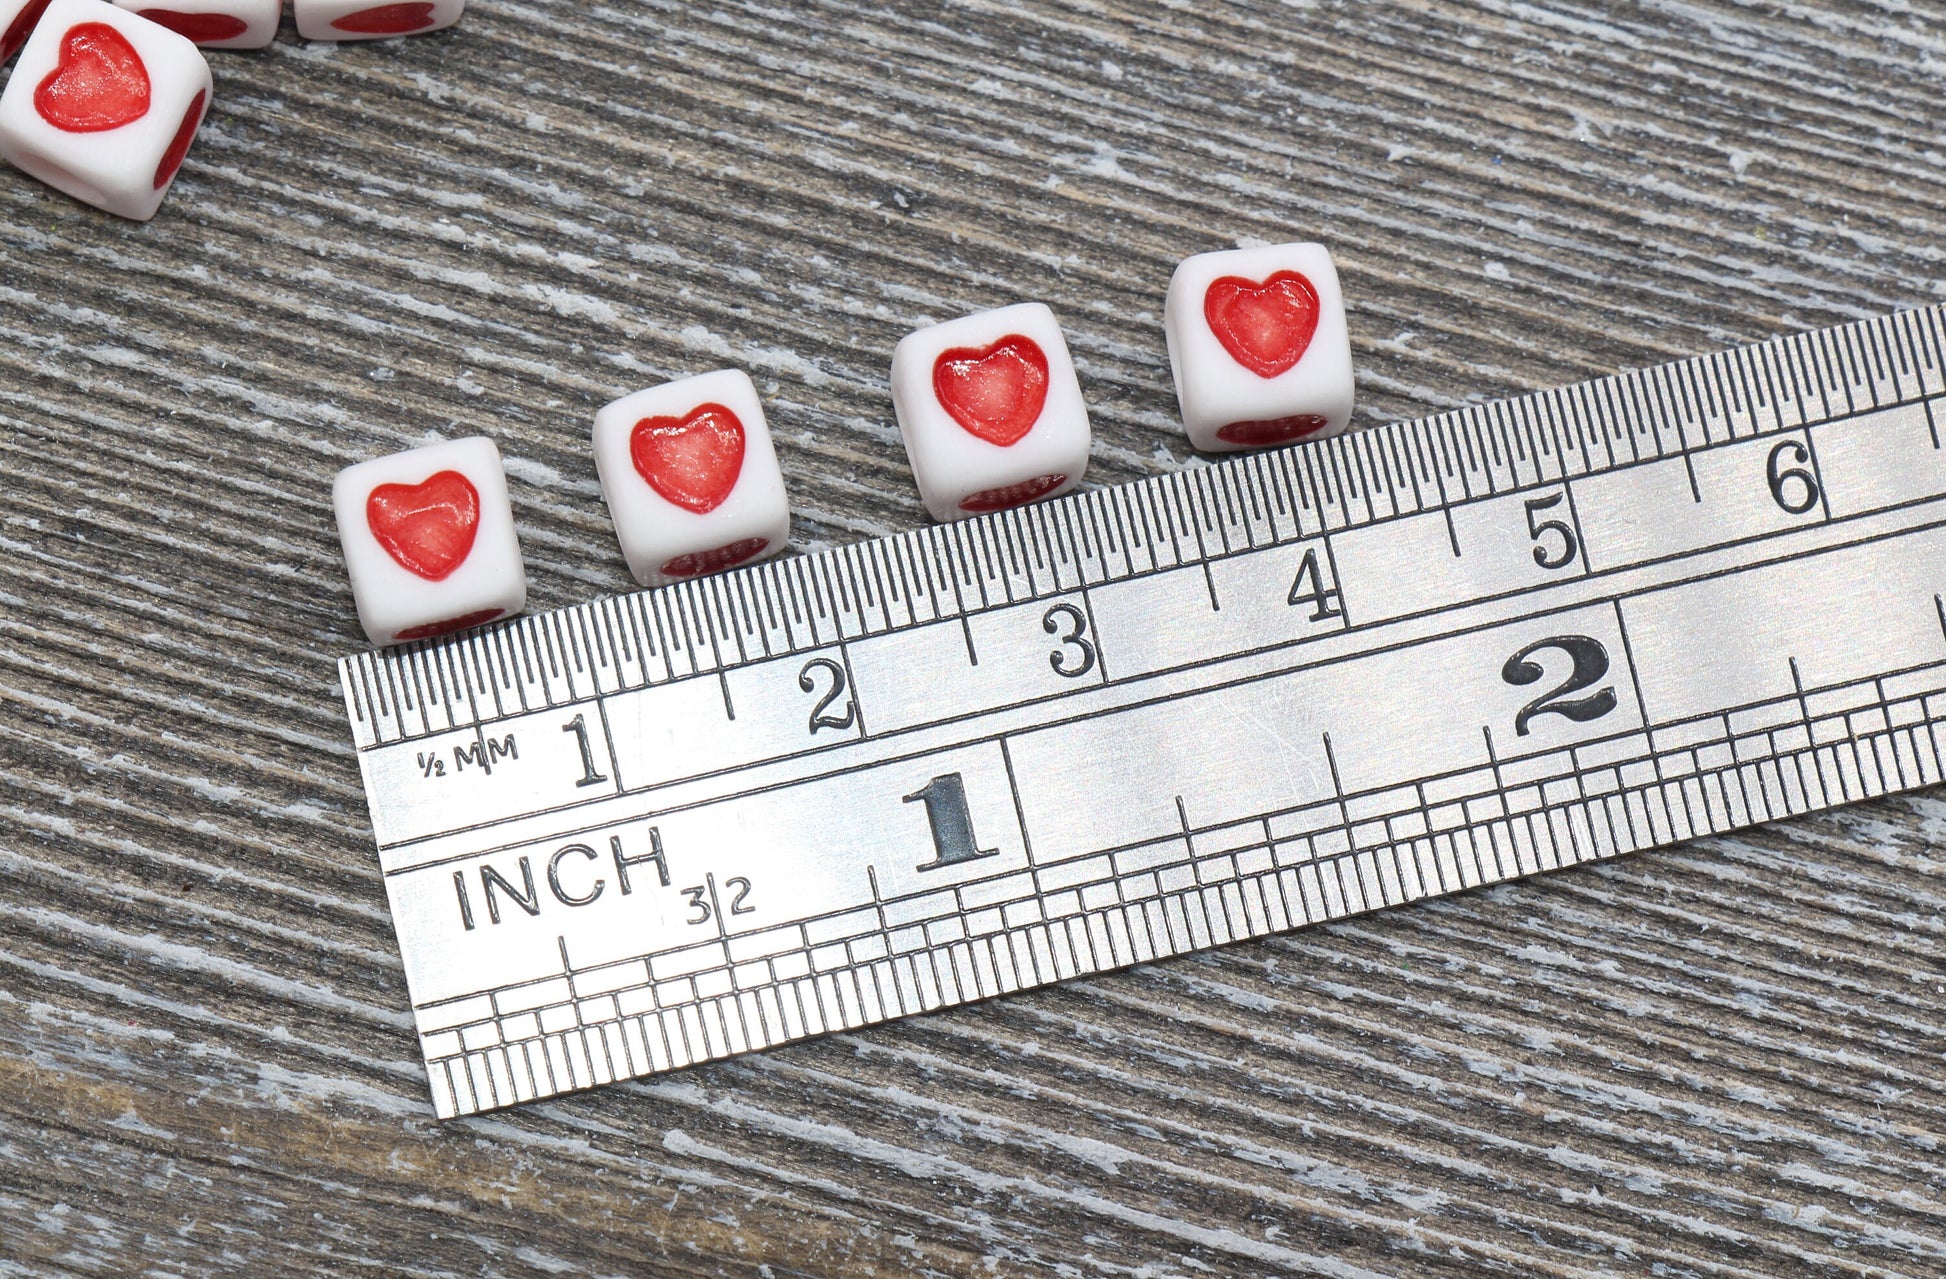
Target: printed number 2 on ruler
x,y
832,790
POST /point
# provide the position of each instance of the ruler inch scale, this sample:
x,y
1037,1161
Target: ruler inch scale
x,y
827,791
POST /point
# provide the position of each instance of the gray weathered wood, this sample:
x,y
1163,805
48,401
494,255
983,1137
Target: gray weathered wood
x,y
1719,1060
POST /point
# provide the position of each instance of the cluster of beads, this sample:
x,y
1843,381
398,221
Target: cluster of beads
x,y
989,407
106,97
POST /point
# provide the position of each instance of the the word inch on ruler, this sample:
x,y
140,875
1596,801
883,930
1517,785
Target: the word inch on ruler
x,y
836,789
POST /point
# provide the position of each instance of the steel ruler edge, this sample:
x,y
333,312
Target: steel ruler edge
x,y
834,789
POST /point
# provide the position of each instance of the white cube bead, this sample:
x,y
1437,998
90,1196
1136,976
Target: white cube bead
x,y
429,540
103,105
364,20
1259,348
990,411
17,19
214,24
691,478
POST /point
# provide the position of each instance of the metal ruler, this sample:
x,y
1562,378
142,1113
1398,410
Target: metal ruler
x,y
836,789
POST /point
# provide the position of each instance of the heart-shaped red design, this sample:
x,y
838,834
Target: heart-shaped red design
x,y
1011,495
20,28
172,158
203,28
99,83
1275,430
1265,327
996,394
427,527
465,621
697,563
693,460
386,20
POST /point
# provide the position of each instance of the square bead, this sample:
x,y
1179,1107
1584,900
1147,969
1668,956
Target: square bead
x,y
103,106
691,479
214,24
1259,347
990,411
17,19
429,540
364,20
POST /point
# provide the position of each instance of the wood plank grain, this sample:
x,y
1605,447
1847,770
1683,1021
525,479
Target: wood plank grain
x,y
1718,1060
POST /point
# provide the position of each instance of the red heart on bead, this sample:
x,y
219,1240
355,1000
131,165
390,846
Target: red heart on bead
x,y
98,84
692,461
430,630
20,28
699,562
203,28
1011,495
1275,430
179,145
1266,327
427,527
386,20
997,393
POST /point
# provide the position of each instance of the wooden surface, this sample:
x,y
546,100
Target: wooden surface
x,y
1723,1059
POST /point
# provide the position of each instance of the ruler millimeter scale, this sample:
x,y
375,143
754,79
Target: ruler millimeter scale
x,y
831,790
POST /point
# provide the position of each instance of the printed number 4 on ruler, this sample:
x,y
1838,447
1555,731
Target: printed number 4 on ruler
x,y
832,790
